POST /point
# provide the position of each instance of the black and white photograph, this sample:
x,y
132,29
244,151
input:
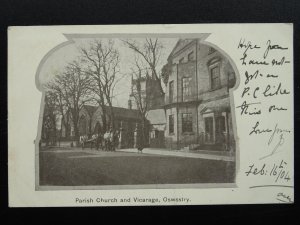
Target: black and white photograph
x,y
135,115
136,111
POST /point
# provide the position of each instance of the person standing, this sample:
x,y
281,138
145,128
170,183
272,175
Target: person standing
x,y
116,139
111,140
140,138
98,141
81,141
106,140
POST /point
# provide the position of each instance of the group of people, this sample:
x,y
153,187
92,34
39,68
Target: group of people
x,y
107,141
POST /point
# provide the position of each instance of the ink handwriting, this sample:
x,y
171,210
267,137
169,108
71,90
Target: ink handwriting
x,y
284,198
272,47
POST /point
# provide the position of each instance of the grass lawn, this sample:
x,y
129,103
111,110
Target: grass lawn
x,y
119,168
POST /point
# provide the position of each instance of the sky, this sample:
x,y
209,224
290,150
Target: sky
x,y
57,61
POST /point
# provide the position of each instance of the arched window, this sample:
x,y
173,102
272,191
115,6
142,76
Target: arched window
x,y
97,129
82,125
187,122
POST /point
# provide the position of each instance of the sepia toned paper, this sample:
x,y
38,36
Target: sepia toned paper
x,y
150,115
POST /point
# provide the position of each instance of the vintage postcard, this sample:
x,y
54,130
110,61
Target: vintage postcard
x,y
150,115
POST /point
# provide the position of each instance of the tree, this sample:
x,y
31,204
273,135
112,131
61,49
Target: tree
x,y
54,90
141,97
72,86
166,72
150,51
102,65
49,119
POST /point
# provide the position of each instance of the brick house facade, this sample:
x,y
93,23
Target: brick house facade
x,y
197,103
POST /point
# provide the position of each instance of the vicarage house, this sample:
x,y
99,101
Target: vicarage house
x,y
197,103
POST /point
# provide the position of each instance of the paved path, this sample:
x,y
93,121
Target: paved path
x,y
203,154
179,153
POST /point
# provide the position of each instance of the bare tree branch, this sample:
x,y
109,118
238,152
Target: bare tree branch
x,y
72,89
102,66
150,52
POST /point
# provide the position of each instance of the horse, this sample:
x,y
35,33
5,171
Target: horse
x,y
93,140
82,140
107,140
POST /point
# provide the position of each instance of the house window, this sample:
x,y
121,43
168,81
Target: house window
x,y
220,124
215,77
171,124
220,129
171,91
231,79
187,122
191,56
231,76
186,88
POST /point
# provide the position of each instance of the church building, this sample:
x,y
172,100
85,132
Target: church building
x,y
126,121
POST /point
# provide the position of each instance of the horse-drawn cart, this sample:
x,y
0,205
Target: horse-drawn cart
x,y
92,142
108,142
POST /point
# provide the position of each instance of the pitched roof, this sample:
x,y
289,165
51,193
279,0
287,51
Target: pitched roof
x,y
118,111
182,42
179,45
124,113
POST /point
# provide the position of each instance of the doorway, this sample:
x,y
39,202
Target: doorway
x,y
209,130
220,130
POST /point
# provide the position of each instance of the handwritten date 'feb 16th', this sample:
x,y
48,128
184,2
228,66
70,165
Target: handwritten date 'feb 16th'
x,y
277,170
